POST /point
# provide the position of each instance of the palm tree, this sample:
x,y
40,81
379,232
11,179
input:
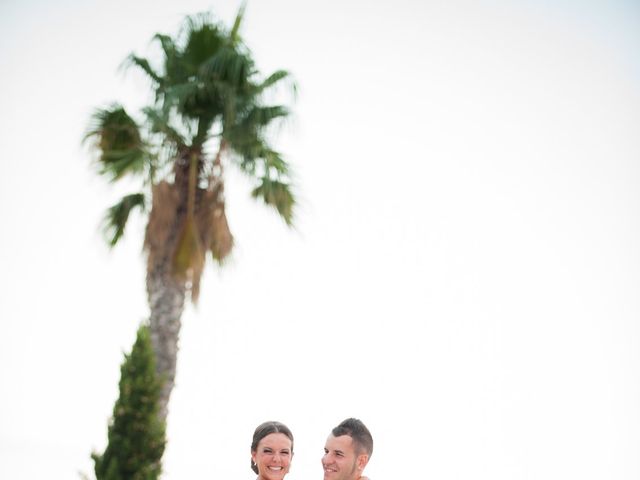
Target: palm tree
x,y
210,110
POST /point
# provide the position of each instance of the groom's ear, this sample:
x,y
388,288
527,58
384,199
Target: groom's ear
x,y
362,461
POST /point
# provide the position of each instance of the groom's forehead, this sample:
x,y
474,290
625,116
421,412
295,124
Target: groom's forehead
x,y
343,443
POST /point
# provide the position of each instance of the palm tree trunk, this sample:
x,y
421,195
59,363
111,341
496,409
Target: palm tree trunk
x,y
165,292
172,205
166,297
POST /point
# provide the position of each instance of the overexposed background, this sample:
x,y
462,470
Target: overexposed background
x,y
463,277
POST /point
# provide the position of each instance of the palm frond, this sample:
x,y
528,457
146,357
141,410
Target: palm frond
x,y
173,70
144,65
255,158
167,44
248,149
191,99
113,128
245,135
261,116
160,123
234,34
115,219
118,139
273,79
179,94
203,38
229,65
278,195
275,166
115,164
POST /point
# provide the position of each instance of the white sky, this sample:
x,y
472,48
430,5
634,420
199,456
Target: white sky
x,y
465,272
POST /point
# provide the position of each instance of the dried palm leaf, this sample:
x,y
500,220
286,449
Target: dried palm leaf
x,y
221,242
212,221
188,260
158,241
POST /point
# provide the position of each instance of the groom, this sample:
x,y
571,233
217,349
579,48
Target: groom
x,y
347,451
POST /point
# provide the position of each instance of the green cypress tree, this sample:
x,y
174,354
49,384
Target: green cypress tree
x,y
136,435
